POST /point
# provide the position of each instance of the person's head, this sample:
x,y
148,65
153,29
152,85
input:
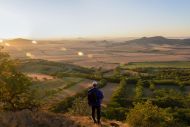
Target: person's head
x,y
94,84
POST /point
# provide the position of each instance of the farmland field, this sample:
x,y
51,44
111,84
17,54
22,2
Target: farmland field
x,y
171,64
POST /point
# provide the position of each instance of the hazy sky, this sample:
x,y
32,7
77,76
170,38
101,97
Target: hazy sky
x,y
94,18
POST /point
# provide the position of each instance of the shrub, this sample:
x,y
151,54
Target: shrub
x,y
27,118
80,107
115,113
148,115
102,83
152,86
139,90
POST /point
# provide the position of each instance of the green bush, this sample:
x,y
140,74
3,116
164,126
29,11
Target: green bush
x,y
148,115
16,91
115,113
165,82
152,86
139,90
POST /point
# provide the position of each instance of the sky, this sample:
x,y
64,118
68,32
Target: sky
x,y
44,19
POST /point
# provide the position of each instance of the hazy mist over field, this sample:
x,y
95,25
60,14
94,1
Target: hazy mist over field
x,y
101,53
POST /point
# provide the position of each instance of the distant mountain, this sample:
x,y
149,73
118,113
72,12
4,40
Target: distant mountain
x,y
158,40
19,41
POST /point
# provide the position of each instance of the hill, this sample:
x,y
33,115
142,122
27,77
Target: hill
x,y
158,40
19,41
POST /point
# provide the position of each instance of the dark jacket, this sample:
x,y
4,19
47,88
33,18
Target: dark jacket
x,y
98,99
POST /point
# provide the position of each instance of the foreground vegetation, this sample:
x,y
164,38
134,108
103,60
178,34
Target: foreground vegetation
x,y
146,95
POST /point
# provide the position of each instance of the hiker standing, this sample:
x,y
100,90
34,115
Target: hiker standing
x,y
95,97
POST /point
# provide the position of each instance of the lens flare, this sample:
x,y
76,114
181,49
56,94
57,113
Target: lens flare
x,y
90,56
7,44
1,41
63,49
34,42
80,53
30,55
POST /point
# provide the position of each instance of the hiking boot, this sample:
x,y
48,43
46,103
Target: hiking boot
x,y
95,121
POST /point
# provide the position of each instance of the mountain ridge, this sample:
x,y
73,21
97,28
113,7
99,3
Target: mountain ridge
x,y
146,41
159,40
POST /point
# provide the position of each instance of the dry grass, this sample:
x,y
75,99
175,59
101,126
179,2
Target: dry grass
x,y
45,119
86,121
34,119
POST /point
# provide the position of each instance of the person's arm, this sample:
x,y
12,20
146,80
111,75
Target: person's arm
x,y
89,101
101,95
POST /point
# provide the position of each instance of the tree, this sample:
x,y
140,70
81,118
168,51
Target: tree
x,y
98,73
15,88
148,115
117,71
139,90
152,86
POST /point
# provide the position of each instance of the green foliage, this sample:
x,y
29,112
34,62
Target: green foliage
x,y
139,90
98,73
166,82
15,87
120,93
115,113
170,98
68,102
116,108
117,72
148,115
152,86
80,107
170,64
102,83
182,115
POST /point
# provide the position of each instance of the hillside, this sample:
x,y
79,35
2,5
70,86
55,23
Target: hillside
x,y
19,41
46,119
158,40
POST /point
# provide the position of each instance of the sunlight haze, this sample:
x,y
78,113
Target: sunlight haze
x,y
93,18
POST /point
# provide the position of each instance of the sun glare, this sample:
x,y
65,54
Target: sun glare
x,y
30,55
80,53
1,41
34,42
63,49
7,44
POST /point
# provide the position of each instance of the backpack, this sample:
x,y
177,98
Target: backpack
x,y
92,97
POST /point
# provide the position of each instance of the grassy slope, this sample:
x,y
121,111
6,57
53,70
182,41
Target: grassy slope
x,y
48,67
171,64
54,90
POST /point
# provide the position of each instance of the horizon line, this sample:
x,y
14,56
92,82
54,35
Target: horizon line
x,y
94,38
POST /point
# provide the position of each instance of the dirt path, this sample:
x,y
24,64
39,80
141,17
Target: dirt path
x,y
108,90
86,121
66,93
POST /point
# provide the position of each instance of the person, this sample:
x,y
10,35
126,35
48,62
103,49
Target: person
x,y
95,97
